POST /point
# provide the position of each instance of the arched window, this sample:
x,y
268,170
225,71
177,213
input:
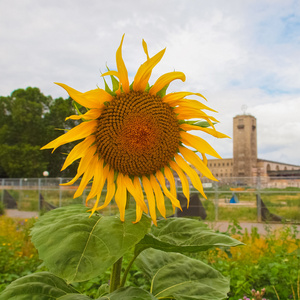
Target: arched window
x,y
277,168
268,167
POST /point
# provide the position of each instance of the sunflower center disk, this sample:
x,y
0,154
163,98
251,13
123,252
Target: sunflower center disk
x,y
137,133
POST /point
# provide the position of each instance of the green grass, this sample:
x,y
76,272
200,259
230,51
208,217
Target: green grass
x,y
282,202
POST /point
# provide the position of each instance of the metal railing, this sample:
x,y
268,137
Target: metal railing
x,y
230,198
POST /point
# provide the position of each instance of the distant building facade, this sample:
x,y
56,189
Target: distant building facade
x,y
246,164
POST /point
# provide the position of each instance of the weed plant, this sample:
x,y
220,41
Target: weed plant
x,y
18,257
271,261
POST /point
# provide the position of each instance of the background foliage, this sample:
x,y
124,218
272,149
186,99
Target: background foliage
x,y
265,261
28,120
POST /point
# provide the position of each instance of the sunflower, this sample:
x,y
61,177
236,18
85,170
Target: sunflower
x,y
135,136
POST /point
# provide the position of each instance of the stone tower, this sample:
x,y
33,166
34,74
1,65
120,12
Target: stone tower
x,y
244,145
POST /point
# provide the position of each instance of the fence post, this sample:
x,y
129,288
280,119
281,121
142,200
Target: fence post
x,y
258,202
60,191
20,193
216,202
2,193
39,194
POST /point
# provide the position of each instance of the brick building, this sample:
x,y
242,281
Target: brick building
x,y
245,162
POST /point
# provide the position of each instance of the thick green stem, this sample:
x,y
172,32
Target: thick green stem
x,y
127,270
115,276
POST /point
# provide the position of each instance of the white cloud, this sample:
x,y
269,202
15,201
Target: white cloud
x,y
234,52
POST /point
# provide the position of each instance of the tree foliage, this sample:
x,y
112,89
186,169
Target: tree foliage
x,y
28,120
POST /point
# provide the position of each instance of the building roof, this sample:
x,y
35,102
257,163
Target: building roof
x,y
277,162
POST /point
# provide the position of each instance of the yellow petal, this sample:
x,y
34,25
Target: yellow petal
x,y
91,99
150,197
164,80
174,97
191,111
195,160
138,188
138,213
204,158
192,114
184,181
92,114
196,182
121,196
161,179
145,48
110,189
123,75
198,143
78,151
98,181
139,199
213,132
87,176
160,199
81,131
111,73
144,72
194,104
170,177
83,165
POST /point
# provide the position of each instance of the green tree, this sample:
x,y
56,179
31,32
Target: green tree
x,y
28,120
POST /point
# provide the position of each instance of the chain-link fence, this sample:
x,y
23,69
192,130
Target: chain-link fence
x,y
243,199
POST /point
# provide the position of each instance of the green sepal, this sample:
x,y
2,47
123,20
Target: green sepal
x,y
163,91
148,87
107,88
131,86
114,81
203,124
77,107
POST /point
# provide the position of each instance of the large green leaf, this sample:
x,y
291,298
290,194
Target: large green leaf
x,y
77,247
129,293
38,286
74,297
175,276
184,235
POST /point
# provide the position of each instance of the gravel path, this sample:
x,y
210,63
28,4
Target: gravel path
x,y
221,226
14,213
261,227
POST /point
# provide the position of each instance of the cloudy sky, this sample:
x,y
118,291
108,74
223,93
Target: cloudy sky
x,y
234,52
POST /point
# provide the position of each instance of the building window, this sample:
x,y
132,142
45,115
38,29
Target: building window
x,y
227,164
277,168
240,124
218,164
268,167
214,165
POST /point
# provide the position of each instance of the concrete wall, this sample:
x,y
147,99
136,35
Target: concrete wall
x,y
244,145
